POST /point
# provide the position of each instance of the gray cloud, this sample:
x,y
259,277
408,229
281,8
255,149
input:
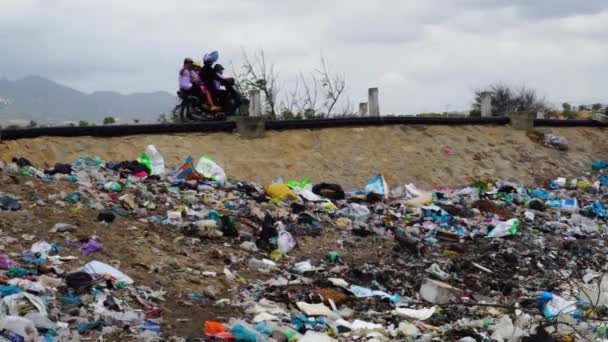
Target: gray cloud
x,y
425,55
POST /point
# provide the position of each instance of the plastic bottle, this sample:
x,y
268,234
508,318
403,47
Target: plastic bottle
x,y
153,160
569,205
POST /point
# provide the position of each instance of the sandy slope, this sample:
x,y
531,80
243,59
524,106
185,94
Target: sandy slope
x,y
349,156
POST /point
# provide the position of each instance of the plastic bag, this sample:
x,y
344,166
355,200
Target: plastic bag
x,y
599,165
153,160
186,171
598,209
97,267
569,205
505,229
420,315
210,169
9,203
305,184
6,262
378,186
280,191
21,326
91,247
41,248
364,292
553,305
286,241
217,330
556,141
355,211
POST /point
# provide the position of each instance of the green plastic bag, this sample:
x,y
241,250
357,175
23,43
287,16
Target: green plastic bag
x,y
502,229
145,160
299,185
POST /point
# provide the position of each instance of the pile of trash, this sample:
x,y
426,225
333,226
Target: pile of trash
x,y
304,261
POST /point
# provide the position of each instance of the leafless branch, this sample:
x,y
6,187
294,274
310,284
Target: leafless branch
x,y
310,94
334,85
261,74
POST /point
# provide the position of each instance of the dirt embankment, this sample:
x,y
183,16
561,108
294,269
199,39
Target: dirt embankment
x,y
424,155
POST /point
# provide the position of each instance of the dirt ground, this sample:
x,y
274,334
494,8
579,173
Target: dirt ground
x,y
137,247
424,155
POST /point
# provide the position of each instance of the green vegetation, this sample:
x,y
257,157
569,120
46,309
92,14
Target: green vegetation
x,y
109,120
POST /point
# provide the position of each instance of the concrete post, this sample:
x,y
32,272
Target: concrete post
x,y
486,104
250,127
255,102
363,109
373,102
522,120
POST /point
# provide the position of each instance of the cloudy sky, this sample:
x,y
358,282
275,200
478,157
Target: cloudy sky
x,y
425,55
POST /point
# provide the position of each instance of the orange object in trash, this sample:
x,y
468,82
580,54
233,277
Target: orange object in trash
x,y
217,330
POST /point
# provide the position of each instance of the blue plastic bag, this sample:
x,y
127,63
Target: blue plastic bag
x,y
540,194
599,165
377,185
598,209
552,305
7,290
241,333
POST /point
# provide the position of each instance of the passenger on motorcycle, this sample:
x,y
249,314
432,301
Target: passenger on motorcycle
x,y
221,88
188,79
208,75
190,85
196,67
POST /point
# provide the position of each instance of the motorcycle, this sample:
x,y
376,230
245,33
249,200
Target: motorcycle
x,y
191,108
229,99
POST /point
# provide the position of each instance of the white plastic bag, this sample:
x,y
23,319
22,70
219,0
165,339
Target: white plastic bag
x,y
97,267
286,241
420,315
153,160
157,162
41,247
210,169
355,211
20,326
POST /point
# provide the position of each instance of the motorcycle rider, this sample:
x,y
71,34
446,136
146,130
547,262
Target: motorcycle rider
x,y
228,96
188,80
196,68
209,76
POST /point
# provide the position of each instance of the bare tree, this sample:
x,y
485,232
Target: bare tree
x,y
506,100
333,84
260,74
309,100
291,103
299,101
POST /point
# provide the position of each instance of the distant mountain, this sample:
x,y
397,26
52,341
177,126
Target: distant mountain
x,y
45,101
